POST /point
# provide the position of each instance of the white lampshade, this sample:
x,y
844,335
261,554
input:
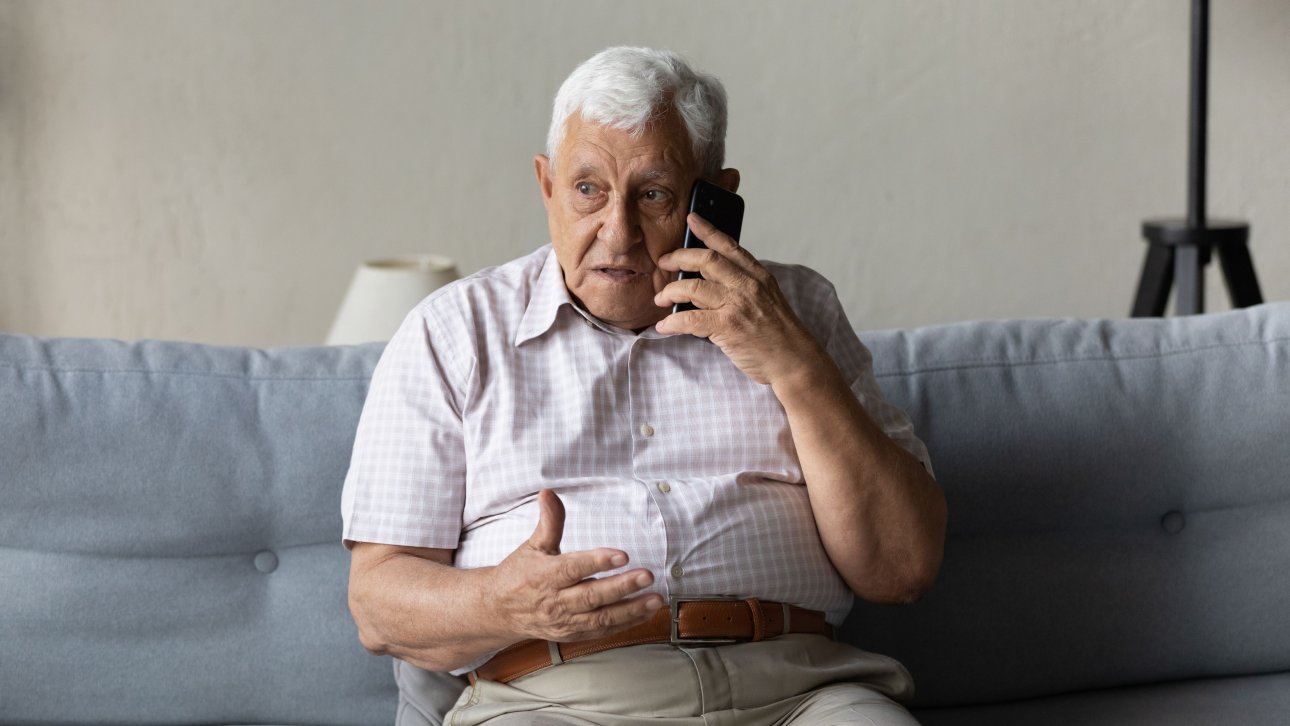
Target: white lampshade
x,y
382,293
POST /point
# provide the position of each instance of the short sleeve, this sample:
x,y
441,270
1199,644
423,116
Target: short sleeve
x,y
407,475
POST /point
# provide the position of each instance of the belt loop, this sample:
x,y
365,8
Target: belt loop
x,y
788,618
758,620
554,649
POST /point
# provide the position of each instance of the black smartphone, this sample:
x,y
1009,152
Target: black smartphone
x,y
725,210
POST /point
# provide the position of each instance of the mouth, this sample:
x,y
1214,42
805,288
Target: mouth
x,y
616,273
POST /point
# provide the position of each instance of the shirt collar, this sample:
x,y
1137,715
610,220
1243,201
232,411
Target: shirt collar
x,y
549,295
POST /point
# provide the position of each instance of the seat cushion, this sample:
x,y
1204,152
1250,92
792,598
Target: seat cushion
x,y
1249,701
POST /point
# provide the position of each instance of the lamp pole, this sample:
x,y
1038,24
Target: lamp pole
x,y
1179,249
1198,129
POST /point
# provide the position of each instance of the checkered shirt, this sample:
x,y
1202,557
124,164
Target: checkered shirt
x,y
499,385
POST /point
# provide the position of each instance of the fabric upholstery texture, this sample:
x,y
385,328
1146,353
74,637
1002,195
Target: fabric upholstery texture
x,y
1259,700
1119,527
1119,498
140,486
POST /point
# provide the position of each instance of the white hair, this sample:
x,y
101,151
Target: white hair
x,y
627,88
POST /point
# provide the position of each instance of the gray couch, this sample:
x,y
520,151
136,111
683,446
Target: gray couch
x,y
1119,546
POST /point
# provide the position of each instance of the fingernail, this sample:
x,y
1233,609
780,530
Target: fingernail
x,y
643,580
654,604
618,560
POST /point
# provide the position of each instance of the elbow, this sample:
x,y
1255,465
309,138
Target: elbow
x,y
904,588
912,567
916,583
368,636
907,577
924,563
371,643
389,616
375,641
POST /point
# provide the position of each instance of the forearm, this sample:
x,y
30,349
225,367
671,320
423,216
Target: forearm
x,y
413,604
880,515
425,612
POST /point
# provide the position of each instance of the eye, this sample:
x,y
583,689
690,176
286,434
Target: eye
x,y
585,188
655,195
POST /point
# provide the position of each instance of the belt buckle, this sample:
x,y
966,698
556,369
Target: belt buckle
x,y
674,613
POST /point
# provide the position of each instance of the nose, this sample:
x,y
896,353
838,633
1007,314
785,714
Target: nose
x,y
621,228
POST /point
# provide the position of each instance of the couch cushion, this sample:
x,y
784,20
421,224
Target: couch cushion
x,y
1249,701
170,535
1119,498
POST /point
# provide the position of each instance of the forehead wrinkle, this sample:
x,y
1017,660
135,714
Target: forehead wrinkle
x,y
586,168
663,175
592,151
661,170
590,158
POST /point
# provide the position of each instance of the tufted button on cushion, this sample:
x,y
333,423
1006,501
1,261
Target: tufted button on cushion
x,y
266,561
1173,522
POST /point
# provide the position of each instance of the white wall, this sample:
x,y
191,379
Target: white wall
x,y
213,171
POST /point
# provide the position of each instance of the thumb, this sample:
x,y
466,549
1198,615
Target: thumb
x,y
550,527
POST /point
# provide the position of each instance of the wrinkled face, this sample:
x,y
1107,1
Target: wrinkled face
x,y
615,203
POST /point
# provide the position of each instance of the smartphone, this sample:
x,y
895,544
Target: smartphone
x,y
725,210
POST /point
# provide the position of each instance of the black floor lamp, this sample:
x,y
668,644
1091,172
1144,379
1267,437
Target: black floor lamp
x,y
1179,249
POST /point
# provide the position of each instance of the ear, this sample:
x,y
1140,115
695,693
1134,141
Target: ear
x,y
542,167
728,179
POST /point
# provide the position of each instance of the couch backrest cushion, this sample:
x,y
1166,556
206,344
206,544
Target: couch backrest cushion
x,y
169,535
1119,498
1118,490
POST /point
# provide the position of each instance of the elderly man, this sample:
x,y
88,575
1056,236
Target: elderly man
x,y
552,467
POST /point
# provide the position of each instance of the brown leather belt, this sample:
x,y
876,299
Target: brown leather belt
x,y
689,621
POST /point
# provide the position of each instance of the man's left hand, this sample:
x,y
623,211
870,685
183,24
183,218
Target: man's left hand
x,y
741,308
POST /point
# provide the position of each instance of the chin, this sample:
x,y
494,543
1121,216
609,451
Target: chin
x,y
623,305
624,317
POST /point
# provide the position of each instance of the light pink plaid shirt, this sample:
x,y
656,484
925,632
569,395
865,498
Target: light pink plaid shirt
x,y
499,385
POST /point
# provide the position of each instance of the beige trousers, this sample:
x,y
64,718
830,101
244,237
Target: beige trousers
x,y
793,679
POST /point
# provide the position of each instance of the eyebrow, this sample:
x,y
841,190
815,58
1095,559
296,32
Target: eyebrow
x,y
652,174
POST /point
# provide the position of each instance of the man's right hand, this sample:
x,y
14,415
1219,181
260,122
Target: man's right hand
x,y
541,593
413,604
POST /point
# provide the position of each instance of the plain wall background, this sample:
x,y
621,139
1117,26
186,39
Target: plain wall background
x,y
214,171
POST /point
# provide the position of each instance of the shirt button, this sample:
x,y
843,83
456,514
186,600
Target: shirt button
x,y
677,571
647,430
664,487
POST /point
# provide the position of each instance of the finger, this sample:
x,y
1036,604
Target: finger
x,y
704,293
570,569
614,618
700,323
708,262
720,242
550,527
594,594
